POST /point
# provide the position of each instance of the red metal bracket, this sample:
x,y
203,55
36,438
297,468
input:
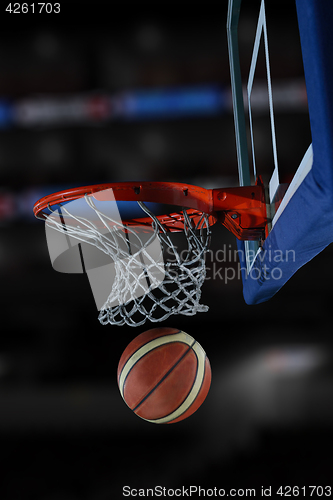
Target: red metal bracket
x,y
242,210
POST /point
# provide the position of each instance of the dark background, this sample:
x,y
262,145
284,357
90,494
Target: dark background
x,y
65,432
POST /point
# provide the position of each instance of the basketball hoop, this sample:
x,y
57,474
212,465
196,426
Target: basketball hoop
x,y
146,284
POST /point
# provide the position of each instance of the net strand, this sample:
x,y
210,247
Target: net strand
x,y
137,294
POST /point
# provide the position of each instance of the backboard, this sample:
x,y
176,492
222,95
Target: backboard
x,y
301,212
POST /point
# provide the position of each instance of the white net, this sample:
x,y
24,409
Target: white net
x,y
151,278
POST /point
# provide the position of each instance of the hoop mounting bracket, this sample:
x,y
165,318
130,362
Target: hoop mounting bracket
x,y
242,210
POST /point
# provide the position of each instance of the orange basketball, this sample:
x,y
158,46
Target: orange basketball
x,y
164,375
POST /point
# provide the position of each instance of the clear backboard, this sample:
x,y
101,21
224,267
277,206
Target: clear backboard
x,y
301,211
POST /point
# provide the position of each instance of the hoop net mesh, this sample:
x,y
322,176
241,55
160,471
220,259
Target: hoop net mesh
x,y
138,293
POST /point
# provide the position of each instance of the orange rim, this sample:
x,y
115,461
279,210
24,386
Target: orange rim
x,y
198,201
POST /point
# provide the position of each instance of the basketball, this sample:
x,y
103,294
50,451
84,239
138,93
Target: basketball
x,y
164,375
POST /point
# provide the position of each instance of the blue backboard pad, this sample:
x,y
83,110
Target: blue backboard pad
x,y
303,224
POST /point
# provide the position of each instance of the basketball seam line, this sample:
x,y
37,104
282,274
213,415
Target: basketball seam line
x,y
164,376
194,380
198,392
147,342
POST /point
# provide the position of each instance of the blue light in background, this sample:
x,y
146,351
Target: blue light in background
x,y
173,103
6,113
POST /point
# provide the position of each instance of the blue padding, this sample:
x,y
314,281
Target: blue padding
x,y
305,227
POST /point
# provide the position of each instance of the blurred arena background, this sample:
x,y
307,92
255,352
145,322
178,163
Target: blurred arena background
x,y
115,93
